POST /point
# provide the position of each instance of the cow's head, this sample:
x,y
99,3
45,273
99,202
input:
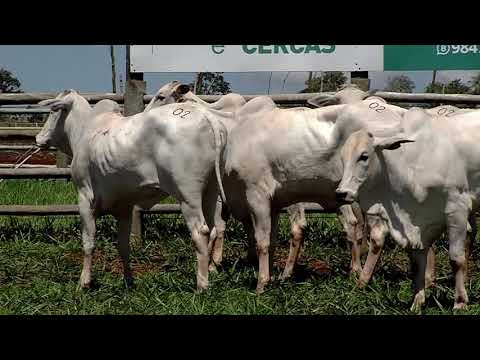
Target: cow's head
x,y
168,94
53,131
347,94
359,156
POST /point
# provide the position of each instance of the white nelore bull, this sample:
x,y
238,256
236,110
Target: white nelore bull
x,y
419,189
177,92
277,157
119,162
440,113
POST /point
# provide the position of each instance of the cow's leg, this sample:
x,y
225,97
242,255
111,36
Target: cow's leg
x,y
472,233
261,219
217,236
360,229
124,219
275,217
378,231
457,235
419,257
430,270
297,223
88,228
252,257
349,222
200,232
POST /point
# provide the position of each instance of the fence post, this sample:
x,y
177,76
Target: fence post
x,y
135,89
360,78
62,159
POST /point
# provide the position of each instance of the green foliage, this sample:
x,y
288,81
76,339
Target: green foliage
x,y
401,83
211,83
41,259
40,264
8,82
326,82
453,87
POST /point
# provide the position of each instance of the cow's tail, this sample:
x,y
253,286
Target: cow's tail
x,y
219,145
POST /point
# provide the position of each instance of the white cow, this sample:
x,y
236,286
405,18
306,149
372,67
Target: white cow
x,y
418,190
440,113
177,92
277,157
119,162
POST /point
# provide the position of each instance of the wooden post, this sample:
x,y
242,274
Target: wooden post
x,y
63,160
135,89
360,78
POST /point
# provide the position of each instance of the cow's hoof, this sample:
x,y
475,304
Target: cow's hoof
x,y
418,302
85,283
460,306
361,283
212,268
260,289
202,287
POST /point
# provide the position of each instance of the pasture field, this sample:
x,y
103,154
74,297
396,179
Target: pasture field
x,y
40,262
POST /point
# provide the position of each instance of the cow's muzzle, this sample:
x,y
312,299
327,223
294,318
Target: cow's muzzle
x,y
345,196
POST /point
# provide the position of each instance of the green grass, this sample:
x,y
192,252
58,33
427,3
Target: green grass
x,y
40,263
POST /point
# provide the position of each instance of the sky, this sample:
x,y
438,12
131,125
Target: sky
x,y
87,68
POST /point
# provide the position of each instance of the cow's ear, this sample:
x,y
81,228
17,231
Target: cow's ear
x,y
55,104
182,89
390,143
323,100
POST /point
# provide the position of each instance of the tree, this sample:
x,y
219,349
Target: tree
x,y
435,88
453,87
8,82
326,82
209,83
475,84
457,87
401,83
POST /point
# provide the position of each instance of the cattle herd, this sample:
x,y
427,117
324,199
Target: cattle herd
x,y
385,170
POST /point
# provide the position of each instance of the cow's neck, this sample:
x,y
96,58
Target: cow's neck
x,y
77,124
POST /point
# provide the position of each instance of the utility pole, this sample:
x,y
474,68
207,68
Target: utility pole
x,y
114,75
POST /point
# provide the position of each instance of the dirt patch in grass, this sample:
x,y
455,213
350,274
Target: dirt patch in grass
x,y
308,266
107,264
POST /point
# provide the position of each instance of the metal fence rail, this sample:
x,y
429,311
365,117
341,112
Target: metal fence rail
x,y
10,104
281,99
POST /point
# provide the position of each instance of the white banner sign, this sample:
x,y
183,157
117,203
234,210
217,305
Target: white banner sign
x,y
243,58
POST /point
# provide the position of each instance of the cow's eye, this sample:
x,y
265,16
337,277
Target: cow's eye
x,y
363,157
160,97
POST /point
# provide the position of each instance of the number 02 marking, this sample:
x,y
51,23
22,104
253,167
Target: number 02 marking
x,y
180,112
376,106
443,111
